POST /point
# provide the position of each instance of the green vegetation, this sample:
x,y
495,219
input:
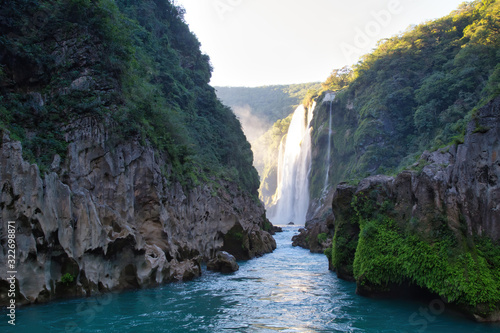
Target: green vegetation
x,y
338,79
67,279
322,237
133,65
266,150
267,225
269,103
461,270
344,243
342,253
384,255
416,91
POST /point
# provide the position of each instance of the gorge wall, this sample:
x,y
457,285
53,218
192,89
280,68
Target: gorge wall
x,y
414,92
413,165
109,217
118,164
435,227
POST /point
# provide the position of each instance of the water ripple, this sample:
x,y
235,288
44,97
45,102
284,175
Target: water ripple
x,y
290,290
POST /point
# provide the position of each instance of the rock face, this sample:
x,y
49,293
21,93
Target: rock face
x,y
316,236
320,228
452,200
118,203
276,229
223,262
109,217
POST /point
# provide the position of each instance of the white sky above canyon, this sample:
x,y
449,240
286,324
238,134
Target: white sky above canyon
x,y
263,42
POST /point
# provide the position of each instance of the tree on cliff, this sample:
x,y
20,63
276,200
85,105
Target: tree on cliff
x,y
338,79
134,63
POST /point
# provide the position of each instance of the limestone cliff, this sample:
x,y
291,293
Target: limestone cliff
x,y
111,219
118,164
414,92
436,226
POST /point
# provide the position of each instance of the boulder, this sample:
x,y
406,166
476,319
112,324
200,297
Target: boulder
x,y
276,229
223,262
316,236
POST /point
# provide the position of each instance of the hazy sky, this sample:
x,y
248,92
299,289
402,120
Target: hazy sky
x,y
262,42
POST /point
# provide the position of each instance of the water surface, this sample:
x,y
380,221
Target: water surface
x,y
290,290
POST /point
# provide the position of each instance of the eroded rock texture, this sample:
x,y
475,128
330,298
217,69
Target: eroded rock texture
x,y
316,235
223,262
453,192
110,218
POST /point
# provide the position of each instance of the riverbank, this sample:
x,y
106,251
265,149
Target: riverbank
x,y
289,290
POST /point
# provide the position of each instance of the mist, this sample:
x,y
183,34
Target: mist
x,y
254,129
253,126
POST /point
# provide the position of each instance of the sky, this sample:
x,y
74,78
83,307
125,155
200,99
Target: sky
x,y
262,42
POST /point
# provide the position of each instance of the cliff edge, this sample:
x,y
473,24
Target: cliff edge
x,y
110,219
436,227
119,167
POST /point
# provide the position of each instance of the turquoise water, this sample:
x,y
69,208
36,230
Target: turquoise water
x,y
290,290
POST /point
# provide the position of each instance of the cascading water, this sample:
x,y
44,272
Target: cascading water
x,y
291,200
328,98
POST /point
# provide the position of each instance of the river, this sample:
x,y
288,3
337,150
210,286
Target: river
x,y
290,290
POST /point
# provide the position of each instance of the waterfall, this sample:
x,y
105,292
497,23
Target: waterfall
x,y
291,200
277,194
328,98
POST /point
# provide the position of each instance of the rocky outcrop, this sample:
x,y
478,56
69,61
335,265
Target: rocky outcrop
x,y
223,262
141,175
450,200
301,239
111,217
275,229
320,224
316,236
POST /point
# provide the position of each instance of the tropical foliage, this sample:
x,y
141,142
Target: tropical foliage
x,y
339,79
130,63
416,91
462,271
269,103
